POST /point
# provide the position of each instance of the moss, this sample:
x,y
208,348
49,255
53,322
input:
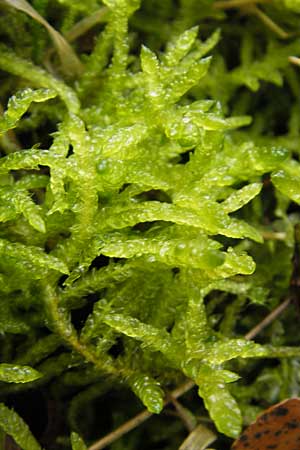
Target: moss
x,y
148,199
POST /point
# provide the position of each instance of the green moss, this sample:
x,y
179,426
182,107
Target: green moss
x,y
147,209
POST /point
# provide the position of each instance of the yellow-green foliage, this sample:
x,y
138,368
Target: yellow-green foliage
x,y
147,207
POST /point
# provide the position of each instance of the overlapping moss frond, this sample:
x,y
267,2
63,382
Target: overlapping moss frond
x,y
147,206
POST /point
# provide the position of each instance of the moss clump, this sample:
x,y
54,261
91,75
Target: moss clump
x,y
149,191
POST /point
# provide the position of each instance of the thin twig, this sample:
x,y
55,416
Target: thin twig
x,y
86,24
273,26
249,7
137,420
273,235
228,4
294,60
199,438
68,58
268,319
80,28
120,431
186,416
144,415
